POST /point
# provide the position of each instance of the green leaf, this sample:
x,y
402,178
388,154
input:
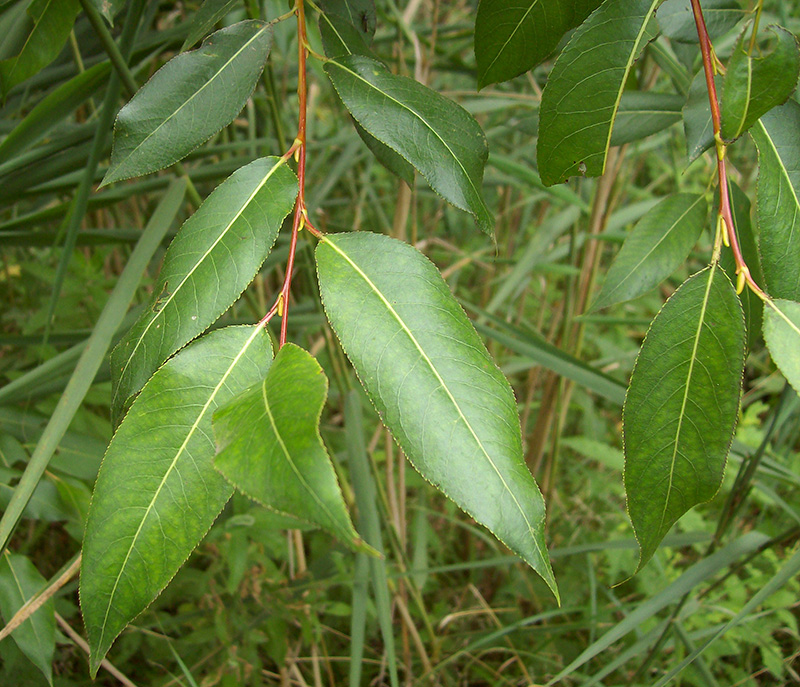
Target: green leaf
x,y
513,36
52,22
751,303
782,334
697,124
682,404
188,100
437,136
52,109
211,12
210,262
435,386
359,13
754,85
642,113
778,199
676,19
157,493
580,100
36,637
657,246
269,447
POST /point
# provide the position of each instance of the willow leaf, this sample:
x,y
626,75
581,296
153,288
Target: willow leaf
x,y
269,447
778,199
782,334
580,100
210,262
188,100
676,20
681,406
435,386
513,36
754,85
657,246
157,493
435,135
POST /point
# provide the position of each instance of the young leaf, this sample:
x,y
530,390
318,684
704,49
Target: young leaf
x,y
676,19
269,447
210,262
778,199
188,100
642,113
580,100
512,37
52,22
36,637
656,247
782,334
754,85
437,390
681,406
437,136
157,493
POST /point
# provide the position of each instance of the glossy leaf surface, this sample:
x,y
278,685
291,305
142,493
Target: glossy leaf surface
x,y
188,100
36,637
513,36
437,136
782,334
269,446
52,21
210,262
656,247
753,85
682,404
157,493
778,199
576,122
437,390
676,19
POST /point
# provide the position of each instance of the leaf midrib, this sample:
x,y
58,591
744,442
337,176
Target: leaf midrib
x,y
441,381
37,25
168,472
513,33
202,259
685,399
174,114
425,122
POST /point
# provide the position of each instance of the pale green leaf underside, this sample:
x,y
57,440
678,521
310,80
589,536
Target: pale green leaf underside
x,y
210,262
513,36
435,135
36,637
681,406
188,100
782,334
656,247
753,85
269,447
778,199
435,386
157,493
580,100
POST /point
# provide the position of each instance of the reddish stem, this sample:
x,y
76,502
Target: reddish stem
x,y
724,198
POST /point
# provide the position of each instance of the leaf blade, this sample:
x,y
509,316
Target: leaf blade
x,y
435,135
682,405
365,280
273,426
188,100
782,334
157,489
576,123
212,259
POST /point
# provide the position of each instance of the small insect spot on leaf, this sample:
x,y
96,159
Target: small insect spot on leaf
x,y
582,168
